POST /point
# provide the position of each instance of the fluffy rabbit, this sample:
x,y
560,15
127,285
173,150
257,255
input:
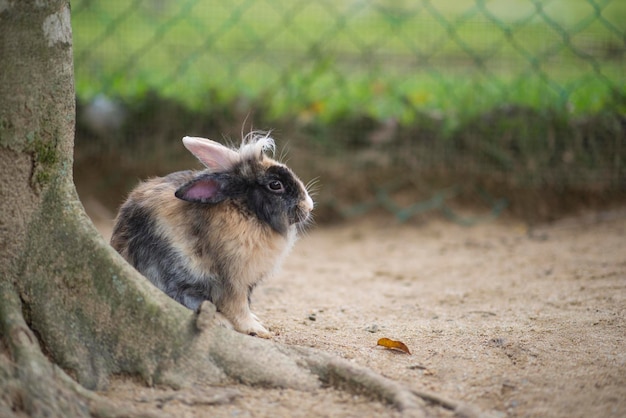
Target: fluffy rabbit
x,y
214,234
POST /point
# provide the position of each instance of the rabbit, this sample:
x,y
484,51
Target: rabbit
x,y
215,234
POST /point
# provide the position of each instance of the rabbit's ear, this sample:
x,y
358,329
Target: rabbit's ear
x,y
213,155
205,188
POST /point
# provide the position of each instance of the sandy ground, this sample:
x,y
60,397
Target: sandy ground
x,y
515,322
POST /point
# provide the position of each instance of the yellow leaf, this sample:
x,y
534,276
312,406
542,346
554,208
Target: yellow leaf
x,y
394,345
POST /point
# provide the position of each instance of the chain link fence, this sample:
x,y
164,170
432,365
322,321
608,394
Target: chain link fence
x,y
530,91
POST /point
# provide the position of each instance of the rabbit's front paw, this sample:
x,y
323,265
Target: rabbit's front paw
x,y
252,326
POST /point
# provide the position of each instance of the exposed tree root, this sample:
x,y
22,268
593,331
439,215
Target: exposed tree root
x,y
194,396
460,409
32,385
344,375
36,387
32,380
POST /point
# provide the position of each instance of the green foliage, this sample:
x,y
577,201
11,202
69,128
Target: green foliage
x,y
331,59
523,93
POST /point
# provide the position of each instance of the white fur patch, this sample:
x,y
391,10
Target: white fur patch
x,y
255,144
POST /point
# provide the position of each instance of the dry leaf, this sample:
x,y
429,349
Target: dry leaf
x,y
395,345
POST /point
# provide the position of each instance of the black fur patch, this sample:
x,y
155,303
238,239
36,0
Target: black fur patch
x,y
153,256
276,209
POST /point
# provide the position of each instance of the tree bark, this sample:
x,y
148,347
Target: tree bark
x,y
71,309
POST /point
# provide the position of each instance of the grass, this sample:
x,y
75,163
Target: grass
x,y
328,60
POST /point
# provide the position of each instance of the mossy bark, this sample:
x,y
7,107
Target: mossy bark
x,y
66,293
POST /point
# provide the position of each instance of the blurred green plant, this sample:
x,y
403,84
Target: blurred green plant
x,y
328,59
504,95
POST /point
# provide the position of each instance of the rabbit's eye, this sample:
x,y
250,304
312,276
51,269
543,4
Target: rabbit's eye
x,y
275,186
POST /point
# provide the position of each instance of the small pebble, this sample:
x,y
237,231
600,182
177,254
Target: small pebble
x,y
372,328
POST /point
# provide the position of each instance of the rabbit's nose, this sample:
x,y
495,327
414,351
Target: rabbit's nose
x,y
307,205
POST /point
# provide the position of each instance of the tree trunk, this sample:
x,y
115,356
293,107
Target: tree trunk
x,y
66,293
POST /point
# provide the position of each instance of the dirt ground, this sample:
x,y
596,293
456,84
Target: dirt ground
x,y
511,320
